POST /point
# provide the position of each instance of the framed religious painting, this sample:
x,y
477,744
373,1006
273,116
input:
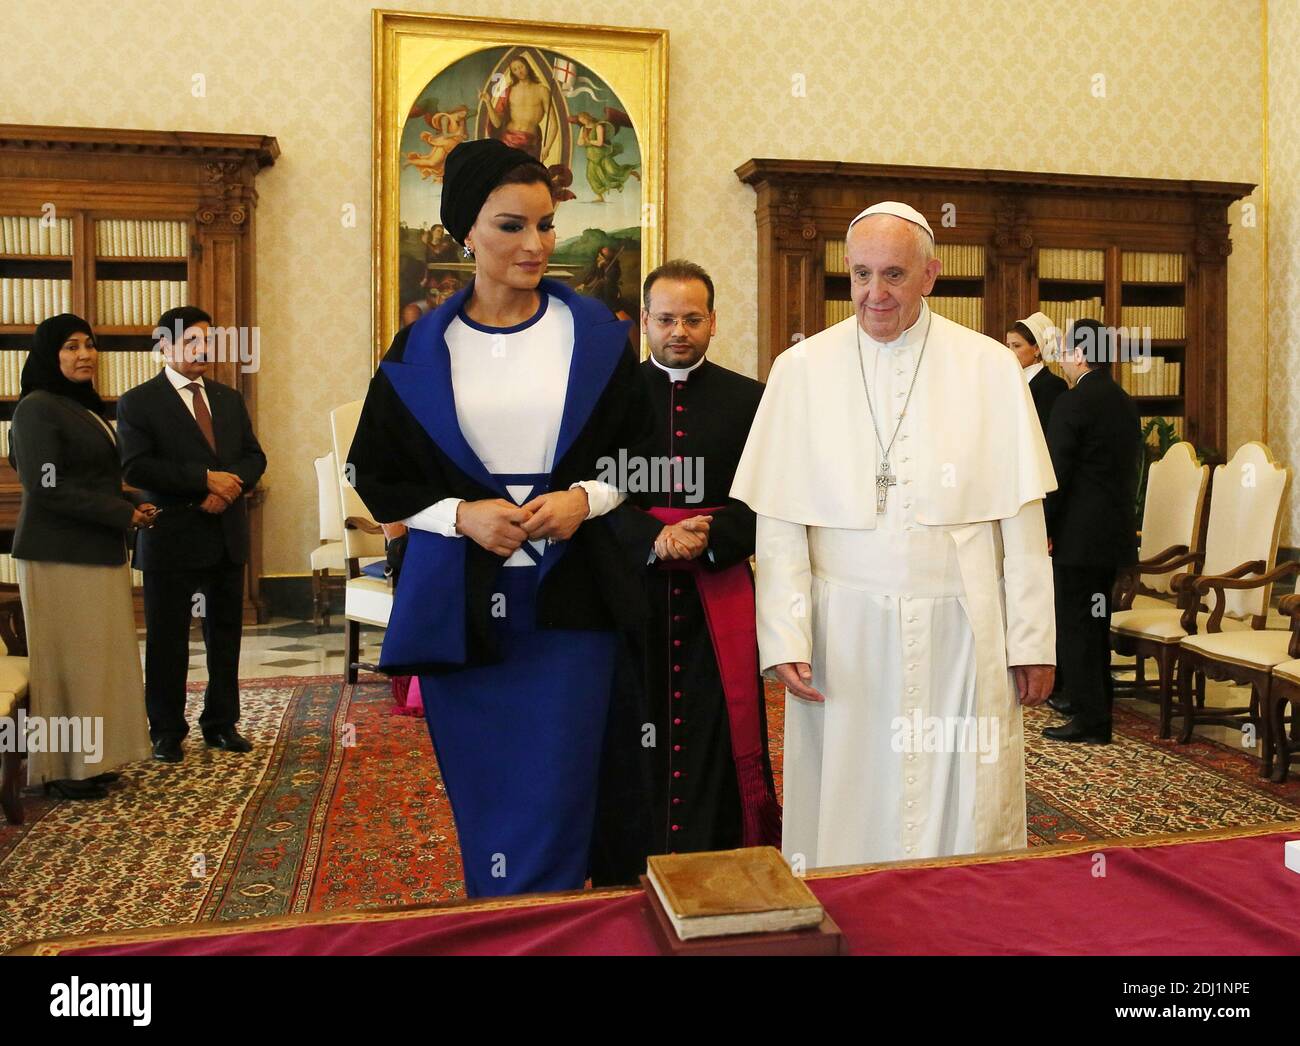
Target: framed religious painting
x,y
588,101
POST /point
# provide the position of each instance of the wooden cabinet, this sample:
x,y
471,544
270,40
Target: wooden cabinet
x,y
1139,252
136,212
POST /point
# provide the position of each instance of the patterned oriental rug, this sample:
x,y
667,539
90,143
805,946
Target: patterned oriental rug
x,y
340,806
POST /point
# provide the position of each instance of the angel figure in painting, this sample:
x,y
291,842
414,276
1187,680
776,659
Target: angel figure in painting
x,y
604,172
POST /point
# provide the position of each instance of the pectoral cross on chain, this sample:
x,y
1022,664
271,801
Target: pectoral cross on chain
x,y
885,479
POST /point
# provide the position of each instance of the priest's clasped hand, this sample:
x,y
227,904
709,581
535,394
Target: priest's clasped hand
x,y
685,539
797,677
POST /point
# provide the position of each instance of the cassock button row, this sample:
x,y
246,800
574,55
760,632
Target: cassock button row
x,y
677,802
677,773
676,828
677,668
679,433
677,642
677,694
680,409
677,722
677,748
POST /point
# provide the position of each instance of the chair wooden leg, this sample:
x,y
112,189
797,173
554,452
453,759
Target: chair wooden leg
x,y
1164,666
1279,755
1187,672
351,650
325,597
316,586
11,800
1200,690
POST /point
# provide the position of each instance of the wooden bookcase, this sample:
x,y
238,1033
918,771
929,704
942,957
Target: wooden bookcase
x,y
87,176
1030,229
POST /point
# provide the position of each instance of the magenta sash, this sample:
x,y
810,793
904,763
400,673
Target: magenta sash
x,y
728,600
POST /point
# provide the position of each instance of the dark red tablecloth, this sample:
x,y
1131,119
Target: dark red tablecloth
x,y
1215,896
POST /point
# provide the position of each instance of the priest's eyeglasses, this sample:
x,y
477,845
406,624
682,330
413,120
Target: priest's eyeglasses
x,y
693,322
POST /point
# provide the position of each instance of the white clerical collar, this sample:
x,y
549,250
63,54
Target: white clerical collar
x,y
179,380
910,337
677,373
1031,372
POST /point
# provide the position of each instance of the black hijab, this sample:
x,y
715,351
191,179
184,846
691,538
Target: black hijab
x,y
472,171
42,372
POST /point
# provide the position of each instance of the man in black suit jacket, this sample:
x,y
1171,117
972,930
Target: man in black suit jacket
x,y
1095,441
188,442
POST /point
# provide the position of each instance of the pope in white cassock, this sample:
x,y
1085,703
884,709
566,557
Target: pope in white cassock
x,y
904,587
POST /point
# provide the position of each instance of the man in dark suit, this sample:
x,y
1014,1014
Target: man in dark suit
x,y
188,442
1095,441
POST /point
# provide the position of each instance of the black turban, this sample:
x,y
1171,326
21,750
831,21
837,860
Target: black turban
x,y
41,371
471,172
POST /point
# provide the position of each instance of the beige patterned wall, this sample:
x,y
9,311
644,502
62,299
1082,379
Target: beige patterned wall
x,y
978,83
1284,245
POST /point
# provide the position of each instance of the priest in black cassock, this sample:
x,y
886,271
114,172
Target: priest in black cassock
x,y
702,749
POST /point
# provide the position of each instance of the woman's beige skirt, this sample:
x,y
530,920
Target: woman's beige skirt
x,y
87,691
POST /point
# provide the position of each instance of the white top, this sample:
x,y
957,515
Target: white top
x,y
179,381
510,385
1031,372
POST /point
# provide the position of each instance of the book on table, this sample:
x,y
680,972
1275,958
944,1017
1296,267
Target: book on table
x,y
725,892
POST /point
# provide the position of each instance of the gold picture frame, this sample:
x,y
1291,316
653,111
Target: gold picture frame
x,y
440,79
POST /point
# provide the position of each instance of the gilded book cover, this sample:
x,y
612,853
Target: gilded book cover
x,y
732,891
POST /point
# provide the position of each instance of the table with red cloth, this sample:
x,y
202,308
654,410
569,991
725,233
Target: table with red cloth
x,y
1222,892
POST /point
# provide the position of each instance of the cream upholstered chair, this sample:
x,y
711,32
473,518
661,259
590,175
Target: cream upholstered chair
x,y
1285,690
1173,518
366,600
14,675
1245,657
1241,539
328,555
